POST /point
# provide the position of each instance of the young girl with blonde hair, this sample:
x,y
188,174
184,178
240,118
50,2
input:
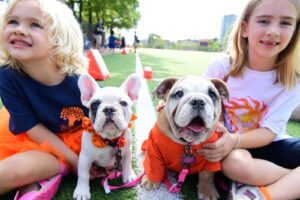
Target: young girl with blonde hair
x,y
40,127
262,75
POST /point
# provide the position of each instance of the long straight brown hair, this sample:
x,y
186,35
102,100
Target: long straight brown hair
x,y
288,61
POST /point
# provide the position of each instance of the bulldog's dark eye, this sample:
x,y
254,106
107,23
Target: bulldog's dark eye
x,y
123,103
95,105
178,94
212,95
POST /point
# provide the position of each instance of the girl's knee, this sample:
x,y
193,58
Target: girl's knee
x,y
237,165
14,171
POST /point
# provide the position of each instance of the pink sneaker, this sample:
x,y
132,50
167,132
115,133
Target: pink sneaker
x,y
48,189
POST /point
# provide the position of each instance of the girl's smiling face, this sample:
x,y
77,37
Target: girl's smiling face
x,y
24,36
269,29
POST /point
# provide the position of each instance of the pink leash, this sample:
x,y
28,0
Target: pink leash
x,y
176,187
187,159
114,175
117,173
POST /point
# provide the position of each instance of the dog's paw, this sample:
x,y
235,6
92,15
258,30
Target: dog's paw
x,y
148,184
82,193
129,177
207,192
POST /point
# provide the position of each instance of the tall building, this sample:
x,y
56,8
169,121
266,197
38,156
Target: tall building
x,y
227,23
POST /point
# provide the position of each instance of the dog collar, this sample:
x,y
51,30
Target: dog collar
x,y
100,142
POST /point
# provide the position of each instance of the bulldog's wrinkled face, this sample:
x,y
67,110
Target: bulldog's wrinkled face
x,y
110,108
192,106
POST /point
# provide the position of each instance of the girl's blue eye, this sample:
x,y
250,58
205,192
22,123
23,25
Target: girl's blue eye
x,y
263,21
36,25
12,21
285,23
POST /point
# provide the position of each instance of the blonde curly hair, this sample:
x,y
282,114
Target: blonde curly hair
x,y
64,35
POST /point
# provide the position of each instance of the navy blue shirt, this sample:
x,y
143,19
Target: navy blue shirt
x,y
100,26
29,102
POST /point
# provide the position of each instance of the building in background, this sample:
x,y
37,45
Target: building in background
x,y
227,24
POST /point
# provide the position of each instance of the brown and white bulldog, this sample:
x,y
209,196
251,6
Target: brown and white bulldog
x,y
191,112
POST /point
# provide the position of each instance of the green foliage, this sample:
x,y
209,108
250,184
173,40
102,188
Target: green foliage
x,y
115,13
155,41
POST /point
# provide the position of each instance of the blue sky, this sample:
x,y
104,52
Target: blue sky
x,y
185,19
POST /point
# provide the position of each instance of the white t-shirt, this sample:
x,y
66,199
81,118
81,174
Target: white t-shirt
x,y
254,100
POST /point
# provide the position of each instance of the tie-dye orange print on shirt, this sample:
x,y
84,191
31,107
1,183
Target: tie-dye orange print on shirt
x,y
244,114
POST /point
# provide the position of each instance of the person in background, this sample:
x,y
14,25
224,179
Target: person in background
x,y
99,32
136,41
123,43
40,127
262,71
112,42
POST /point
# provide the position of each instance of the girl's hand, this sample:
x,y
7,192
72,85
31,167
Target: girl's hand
x,y
217,150
160,105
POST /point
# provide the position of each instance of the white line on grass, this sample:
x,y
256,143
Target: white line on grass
x,y
146,119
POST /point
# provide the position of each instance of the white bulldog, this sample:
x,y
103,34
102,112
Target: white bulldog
x,y
189,117
110,111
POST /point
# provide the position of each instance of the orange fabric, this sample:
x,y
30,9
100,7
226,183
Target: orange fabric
x,y
162,153
11,144
133,117
265,193
97,140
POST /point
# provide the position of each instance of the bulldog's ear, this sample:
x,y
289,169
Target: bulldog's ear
x,y
132,86
221,87
163,88
87,86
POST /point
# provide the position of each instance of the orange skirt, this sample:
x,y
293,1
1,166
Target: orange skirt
x,y
11,144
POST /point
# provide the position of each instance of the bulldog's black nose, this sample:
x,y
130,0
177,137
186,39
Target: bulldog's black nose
x,y
198,104
109,112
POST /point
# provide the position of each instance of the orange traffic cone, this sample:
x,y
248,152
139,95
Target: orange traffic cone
x,y
97,67
148,73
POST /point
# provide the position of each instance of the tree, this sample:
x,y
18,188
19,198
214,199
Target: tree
x,y
114,13
155,41
72,114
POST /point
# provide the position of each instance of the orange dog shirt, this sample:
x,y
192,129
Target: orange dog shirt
x,y
162,152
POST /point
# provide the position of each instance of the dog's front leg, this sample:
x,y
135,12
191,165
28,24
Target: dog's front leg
x,y
127,171
206,186
82,190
